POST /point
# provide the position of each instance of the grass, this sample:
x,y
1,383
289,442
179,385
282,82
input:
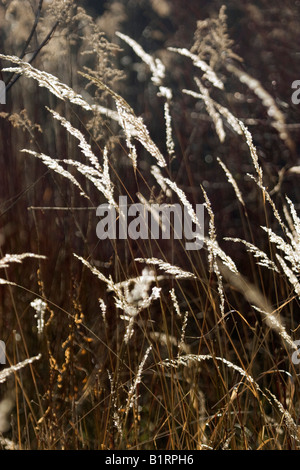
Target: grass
x,y
143,344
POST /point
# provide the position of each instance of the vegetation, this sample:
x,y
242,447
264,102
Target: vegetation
x,y
142,343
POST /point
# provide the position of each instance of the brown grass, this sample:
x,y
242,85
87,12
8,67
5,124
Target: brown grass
x,y
142,344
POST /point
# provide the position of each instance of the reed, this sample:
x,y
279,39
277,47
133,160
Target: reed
x,y
139,343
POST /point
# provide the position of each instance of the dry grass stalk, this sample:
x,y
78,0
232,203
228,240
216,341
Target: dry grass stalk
x,y
5,373
258,300
167,268
278,120
209,74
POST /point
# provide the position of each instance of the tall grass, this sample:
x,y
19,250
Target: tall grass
x,y
142,344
